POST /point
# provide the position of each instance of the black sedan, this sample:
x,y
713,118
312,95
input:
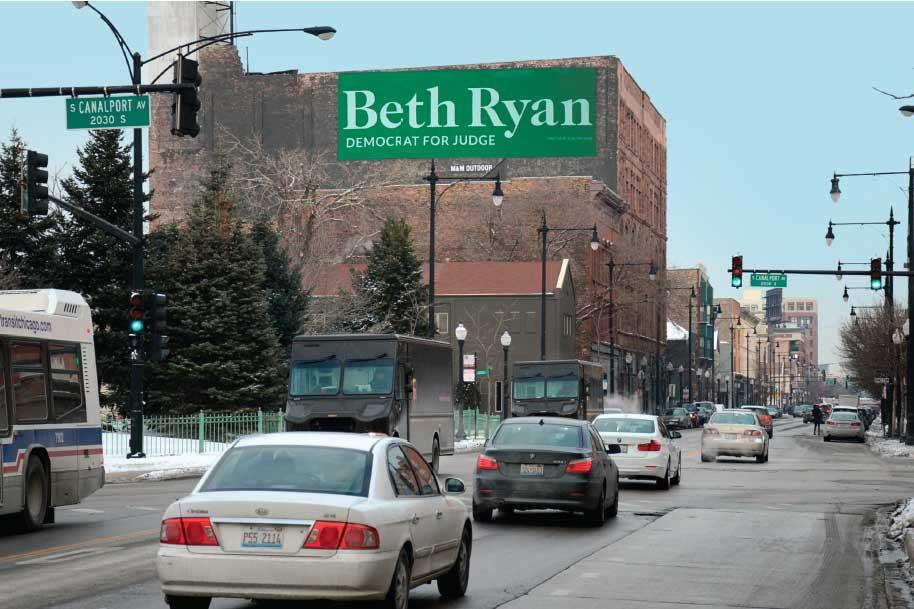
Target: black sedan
x,y
535,463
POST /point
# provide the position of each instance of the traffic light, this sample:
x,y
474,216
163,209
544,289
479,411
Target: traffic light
x,y
876,273
187,102
137,313
34,184
736,272
157,317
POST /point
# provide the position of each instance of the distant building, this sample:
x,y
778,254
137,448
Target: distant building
x,y
681,283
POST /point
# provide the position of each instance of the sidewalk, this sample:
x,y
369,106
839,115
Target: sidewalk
x,y
118,468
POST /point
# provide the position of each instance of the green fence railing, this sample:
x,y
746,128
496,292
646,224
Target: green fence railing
x,y
474,423
203,432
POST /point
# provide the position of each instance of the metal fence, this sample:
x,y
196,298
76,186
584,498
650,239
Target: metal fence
x,y
212,432
474,423
203,432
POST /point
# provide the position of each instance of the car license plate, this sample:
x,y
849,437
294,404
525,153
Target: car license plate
x,y
531,469
262,537
623,448
730,436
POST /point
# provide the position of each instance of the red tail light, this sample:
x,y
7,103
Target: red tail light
x,y
651,446
360,537
326,535
752,432
172,532
830,422
581,466
484,463
855,424
188,531
710,431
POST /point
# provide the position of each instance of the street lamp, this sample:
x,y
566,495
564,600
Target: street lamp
x,y
505,408
853,312
681,370
544,230
907,110
845,297
461,333
839,275
835,191
829,234
135,65
652,272
433,178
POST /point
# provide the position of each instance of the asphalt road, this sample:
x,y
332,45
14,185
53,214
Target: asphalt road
x,y
787,533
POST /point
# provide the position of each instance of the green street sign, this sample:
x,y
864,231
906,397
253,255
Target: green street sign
x,y
768,280
116,112
482,373
422,114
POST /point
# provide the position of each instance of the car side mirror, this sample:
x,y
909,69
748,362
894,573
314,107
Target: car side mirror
x,y
613,449
675,435
454,486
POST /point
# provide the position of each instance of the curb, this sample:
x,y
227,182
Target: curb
x,y
155,475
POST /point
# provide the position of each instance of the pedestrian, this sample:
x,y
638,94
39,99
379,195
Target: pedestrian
x,y
816,419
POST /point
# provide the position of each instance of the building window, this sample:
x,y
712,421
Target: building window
x,y
790,306
809,306
567,324
753,307
442,321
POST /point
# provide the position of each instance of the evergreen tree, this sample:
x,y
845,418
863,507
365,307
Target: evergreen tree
x,y
224,350
96,264
28,243
391,286
287,301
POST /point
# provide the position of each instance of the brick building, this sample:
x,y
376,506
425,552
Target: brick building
x,y
621,190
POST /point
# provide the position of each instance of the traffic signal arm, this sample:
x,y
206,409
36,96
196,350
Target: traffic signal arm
x,y
99,223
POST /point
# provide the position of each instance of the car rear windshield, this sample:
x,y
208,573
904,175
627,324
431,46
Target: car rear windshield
x,y
676,412
732,418
535,434
305,469
620,425
843,415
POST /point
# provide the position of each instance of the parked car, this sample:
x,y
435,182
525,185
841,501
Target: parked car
x,y
800,411
843,424
764,418
790,408
734,433
705,410
825,408
535,463
719,407
647,450
775,412
678,418
863,414
281,515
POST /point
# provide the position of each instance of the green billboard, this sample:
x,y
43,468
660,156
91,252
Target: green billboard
x,y
542,112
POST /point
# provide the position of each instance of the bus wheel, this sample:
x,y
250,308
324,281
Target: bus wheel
x,y
436,455
36,490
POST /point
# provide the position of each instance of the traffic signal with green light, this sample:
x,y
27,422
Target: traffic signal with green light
x,y
876,273
137,313
34,184
736,272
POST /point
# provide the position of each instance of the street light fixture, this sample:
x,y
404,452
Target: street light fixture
x,y
839,275
907,110
461,333
505,407
835,191
829,236
497,195
594,239
845,297
853,312
652,272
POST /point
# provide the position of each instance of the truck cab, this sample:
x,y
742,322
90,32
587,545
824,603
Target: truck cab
x,y
565,388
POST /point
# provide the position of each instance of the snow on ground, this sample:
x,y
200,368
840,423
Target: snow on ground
x,y
886,447
468,445
195,461
902,520
117,444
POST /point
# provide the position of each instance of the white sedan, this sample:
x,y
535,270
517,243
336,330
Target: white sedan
x,y
315,515
646,447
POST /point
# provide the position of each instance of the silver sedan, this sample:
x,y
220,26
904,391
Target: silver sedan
x,y
315,515
734,433
843,425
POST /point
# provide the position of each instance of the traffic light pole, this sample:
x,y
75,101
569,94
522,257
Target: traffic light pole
x,y
136,357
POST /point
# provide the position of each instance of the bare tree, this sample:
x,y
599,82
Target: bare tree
x,y
866,346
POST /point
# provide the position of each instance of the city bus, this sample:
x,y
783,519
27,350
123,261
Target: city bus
x,y
50,433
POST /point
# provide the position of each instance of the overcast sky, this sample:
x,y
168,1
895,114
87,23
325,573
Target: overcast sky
x,y
763,102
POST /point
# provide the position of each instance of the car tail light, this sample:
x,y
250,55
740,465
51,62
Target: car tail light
x,y
328,535
855,424
752,432
188,531
830,422
325,535
710,431
484,463
651,446
171,531
581,466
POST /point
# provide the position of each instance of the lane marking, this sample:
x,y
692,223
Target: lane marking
x,y
144,508
84,510
151,533
66,556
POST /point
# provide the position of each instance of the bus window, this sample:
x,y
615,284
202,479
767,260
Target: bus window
x,y
66,389
4,417
29,383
